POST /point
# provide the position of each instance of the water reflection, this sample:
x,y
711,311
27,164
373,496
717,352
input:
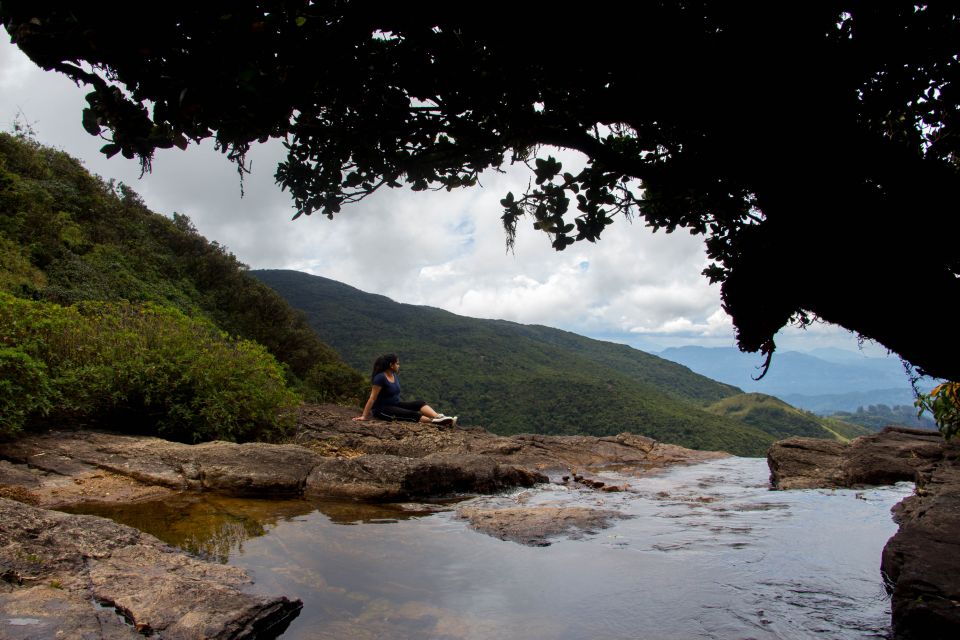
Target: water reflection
x,y
214,527
706,552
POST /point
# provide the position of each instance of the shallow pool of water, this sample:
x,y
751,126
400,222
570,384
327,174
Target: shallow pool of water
x,y
707,552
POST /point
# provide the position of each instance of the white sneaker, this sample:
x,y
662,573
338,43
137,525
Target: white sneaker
x,y
445,421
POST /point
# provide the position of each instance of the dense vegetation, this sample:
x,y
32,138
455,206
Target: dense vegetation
x,y
137,367
67,237
877,416
514,378
781,420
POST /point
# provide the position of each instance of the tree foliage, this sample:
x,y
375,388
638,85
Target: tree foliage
x,y
67,236
813,146
140,368
943,403
24,389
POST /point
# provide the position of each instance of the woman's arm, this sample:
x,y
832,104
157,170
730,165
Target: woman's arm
x,y
374,392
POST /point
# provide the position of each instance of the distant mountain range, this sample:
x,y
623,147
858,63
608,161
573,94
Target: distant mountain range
x,y
823,381
514,378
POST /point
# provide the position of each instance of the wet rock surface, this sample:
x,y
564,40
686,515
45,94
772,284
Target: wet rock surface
x,y
95,578
386,478
921,562
75,576
536,525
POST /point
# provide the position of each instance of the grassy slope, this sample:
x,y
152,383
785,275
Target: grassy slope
x,y
782,420
516,378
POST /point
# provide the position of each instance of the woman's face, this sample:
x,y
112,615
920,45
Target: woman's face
x,y
395,366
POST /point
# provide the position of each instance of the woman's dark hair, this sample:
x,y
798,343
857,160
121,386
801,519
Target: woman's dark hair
x,y
383,363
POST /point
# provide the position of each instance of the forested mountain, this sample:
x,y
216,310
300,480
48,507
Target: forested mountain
x,y
514,378
70,241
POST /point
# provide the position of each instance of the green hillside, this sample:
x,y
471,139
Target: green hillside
x,y
109,312
514,378
68,238
781,420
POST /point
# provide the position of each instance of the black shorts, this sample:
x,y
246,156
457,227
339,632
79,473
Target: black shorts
x,y
408,411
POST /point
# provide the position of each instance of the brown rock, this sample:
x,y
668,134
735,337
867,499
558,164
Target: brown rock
x,y
111,467
253,468
893,455
534,526
238,469
83,576
333,426
921,562
19,475
18,493
370,460
890,456
384,478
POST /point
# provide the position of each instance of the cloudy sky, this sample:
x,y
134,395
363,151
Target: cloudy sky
x,y
440,249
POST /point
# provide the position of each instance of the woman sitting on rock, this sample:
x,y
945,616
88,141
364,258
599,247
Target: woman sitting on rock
x,y
384,401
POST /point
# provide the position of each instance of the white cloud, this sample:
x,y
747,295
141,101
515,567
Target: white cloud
x,y
17,68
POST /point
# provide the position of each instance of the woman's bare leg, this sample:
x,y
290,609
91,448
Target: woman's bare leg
x,y
427,412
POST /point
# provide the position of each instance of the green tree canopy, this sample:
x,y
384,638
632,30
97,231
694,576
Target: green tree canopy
x,y
813,148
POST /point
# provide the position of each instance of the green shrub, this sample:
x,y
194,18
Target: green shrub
x,y
331,382
148,368
67,236
24,390
944,403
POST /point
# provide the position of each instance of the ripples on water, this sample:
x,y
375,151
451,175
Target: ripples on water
x,y
707,552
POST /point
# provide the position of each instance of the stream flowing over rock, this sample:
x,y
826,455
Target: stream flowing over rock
x,y
95,578
921,562
90,577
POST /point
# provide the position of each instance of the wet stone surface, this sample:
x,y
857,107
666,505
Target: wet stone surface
x,y
80,576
